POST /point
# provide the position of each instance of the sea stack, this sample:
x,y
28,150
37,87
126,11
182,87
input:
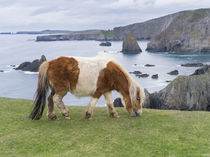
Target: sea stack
x,y
130,45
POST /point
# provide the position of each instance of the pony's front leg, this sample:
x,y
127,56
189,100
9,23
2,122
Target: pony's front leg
x,y
89,111
110,106
57,98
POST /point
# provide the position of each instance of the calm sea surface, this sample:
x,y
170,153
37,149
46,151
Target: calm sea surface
x,y
15,49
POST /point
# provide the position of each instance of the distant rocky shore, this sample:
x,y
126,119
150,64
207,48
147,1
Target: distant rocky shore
x,y
183,32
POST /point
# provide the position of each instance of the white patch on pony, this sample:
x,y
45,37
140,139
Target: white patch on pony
x,y
89,72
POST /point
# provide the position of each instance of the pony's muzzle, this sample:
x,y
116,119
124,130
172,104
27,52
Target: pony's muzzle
x,y
136,113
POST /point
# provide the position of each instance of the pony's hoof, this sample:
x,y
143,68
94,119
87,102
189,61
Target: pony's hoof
x,y
67,118
114,115
53,117
88,116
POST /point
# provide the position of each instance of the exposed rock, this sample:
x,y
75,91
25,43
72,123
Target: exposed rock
x,y
142,75
183,93
130,45
168,81
12,65
105,44
174,72
31,66
118,102
202,70
1,71
155,76
145,30
149,65
136,72
192,65
187,33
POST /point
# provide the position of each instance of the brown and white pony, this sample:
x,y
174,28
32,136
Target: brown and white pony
x,y
85,77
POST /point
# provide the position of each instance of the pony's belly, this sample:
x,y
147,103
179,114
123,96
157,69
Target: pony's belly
x,y
84,89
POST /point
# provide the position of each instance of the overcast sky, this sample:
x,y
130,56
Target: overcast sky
x,y
18,15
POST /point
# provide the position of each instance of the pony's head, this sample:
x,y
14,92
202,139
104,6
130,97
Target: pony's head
x,y
134,102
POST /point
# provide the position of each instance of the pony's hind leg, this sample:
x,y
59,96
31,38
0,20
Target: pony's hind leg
x,y
51,112
89,111
110,106
57,99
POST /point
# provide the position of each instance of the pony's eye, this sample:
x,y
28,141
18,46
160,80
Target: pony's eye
x,y
137,99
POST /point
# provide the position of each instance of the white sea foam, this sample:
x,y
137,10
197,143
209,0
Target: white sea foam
x,y
29,72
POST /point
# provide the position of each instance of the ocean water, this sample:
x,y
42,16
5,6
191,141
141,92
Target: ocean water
x,y
15,49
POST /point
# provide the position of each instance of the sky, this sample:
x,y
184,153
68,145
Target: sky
x,y
27,15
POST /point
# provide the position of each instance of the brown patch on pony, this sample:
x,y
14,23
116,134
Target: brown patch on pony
x,y
63,74
114,77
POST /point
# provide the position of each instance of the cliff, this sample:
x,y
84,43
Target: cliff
x,y
145,30
183,93
187,32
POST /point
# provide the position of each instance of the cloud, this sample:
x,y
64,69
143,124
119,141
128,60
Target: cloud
x,y
89,14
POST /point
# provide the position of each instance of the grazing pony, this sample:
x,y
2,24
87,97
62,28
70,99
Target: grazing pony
x,y
85,77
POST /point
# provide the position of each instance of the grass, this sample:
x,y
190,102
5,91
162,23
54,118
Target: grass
x,y
156,133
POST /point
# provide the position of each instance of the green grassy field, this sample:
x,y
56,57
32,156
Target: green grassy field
x,y
156,133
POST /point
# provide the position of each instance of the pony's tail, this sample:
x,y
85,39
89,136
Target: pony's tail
x,y
41,93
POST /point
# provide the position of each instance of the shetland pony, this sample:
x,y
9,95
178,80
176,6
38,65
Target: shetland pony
x,y
85,77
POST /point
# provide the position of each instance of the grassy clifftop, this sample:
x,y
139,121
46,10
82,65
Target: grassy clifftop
x,y
156,133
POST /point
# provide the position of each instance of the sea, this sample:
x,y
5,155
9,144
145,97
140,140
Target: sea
x,y
15,49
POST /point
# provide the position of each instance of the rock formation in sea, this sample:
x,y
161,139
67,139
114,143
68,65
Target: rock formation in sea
x,y
183,93
118,103
174,72
188,32
31,66
130,45
106,44
203,70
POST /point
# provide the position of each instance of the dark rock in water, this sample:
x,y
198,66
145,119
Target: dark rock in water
x,y
174,72
118,103
31,66
168,81
202,70
183,93
136,72
155,76
105,44
142,75
1,71
192,65
12,65
149,65
130,45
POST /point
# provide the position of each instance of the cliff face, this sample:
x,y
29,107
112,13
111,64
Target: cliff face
x,y
188,32
184,93
145,30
